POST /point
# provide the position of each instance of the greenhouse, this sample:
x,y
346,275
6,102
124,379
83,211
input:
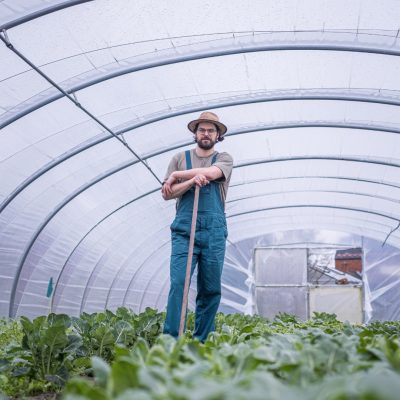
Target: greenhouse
x,y
95,101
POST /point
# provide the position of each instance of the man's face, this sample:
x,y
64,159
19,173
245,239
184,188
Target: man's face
x,y
206,135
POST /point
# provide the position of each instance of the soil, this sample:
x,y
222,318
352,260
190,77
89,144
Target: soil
x,y
50,396
43,396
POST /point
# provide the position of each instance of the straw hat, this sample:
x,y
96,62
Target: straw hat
x,y
208,116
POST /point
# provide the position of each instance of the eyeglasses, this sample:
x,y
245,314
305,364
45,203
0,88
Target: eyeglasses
x,y
209,131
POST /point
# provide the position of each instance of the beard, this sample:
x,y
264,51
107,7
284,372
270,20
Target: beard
x,y
204,145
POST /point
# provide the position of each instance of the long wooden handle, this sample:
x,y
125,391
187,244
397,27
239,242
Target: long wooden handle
x,y
189,262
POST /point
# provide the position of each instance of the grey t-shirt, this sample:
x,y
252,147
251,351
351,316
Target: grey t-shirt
x,y
224,162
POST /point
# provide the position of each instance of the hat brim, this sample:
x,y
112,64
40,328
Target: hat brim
x,y
222,128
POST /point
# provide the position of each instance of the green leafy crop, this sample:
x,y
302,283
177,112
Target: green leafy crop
x,y
247,357
41,355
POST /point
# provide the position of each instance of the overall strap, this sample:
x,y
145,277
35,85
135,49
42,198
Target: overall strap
x,y
214,158
188,160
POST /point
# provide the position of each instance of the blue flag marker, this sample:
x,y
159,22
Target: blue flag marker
x,y
50,288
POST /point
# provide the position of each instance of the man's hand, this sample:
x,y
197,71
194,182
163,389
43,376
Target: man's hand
x,y
200,180
166,189
172,190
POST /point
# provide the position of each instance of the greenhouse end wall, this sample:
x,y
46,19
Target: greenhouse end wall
x,y
380,276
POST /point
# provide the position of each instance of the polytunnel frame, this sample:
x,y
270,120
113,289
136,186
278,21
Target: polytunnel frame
x,y
208,54
310,206
74,194
237,48
298,47
119,168
358,210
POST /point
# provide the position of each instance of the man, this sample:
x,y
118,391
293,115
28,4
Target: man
x,y
210,170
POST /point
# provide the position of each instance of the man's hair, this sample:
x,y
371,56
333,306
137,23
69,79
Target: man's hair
x,y
219,138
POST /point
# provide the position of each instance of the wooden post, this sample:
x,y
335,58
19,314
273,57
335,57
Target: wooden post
x,y
189,262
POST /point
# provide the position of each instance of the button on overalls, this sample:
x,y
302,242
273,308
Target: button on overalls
x,y
208,253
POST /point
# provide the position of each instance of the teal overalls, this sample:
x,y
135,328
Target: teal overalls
x,y
208,253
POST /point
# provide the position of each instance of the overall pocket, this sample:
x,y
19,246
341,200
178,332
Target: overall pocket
x,y
181,225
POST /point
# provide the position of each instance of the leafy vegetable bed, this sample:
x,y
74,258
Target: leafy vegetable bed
x,y
246,358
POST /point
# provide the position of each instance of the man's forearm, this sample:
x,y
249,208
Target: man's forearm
x,y
211,173
178,189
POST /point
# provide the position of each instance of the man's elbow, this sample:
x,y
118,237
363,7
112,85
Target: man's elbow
x,y
214,174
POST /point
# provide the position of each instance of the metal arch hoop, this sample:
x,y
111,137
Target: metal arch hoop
x,y
360,210
343,208
166,281
41,13
318,177
314,206
359,194
320,191
295,177
115,277
155,273
161,292
70,154
98,179
163,286
168,242
83,302
240,46
140,267
94,227
330,48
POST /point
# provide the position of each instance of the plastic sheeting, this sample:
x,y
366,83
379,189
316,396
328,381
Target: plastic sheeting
x,y
310,94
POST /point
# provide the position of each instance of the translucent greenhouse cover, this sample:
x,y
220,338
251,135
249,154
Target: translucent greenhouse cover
x,y
309,91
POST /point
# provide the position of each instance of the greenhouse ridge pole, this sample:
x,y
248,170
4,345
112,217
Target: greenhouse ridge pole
x,y
6,41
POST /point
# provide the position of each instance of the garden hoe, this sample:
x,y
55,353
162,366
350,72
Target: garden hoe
x,y
189,262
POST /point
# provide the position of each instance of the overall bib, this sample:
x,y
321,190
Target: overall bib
x,y
208,253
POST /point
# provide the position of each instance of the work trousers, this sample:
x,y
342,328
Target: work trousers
x,y
208,254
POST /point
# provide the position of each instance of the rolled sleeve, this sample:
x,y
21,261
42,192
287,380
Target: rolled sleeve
x,y
225,164
172,167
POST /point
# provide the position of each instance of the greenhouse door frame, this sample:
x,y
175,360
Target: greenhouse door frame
x,y
308,285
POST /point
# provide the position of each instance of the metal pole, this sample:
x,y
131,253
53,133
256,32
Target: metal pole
x,y
189,262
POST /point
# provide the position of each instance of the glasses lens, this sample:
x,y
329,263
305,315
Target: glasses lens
x,y
209,131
